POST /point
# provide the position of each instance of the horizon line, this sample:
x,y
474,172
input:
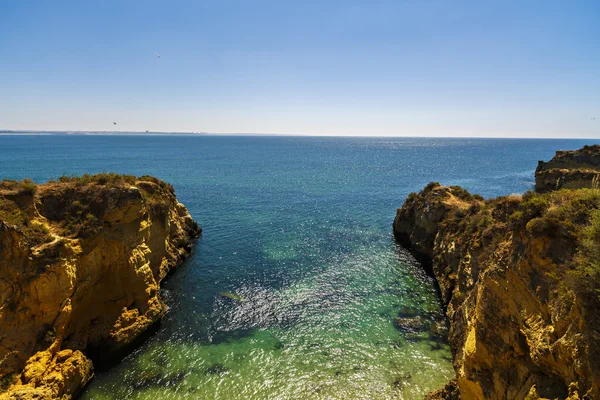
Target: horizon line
x,y
25,132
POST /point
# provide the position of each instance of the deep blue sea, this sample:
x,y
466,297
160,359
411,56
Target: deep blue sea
x,y
298,231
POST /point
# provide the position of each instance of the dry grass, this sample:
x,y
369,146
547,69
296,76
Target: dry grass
x,y
78,202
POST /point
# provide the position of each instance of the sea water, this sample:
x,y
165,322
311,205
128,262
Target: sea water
x,y
293,289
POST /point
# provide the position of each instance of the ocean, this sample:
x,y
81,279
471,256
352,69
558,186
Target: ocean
x,y
293,289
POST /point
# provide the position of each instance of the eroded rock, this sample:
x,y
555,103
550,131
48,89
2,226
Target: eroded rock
x,y
81,261
512,273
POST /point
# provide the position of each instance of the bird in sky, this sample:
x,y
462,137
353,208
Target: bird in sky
x,y
157,55
114,123
593,118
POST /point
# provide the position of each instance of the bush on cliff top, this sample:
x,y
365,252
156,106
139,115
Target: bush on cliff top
x,y
112,178
570,218
26,186
80,222
80,216
588,258
15,215
164,185
585,277
10,213
567,220
100,179
83,214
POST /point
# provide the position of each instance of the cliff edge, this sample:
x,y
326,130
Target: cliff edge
x,y
520,279
569,169
81,261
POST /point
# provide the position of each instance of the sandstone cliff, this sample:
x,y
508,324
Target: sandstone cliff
x,y
520,277
569,169
81,261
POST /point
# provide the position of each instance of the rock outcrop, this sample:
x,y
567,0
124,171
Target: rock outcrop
x,y
520,277
81,261
569,170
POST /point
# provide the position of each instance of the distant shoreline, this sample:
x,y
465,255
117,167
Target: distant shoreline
x,y
148,133
115,133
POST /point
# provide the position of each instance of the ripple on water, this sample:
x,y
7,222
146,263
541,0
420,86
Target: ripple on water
x,y
299,228
328,334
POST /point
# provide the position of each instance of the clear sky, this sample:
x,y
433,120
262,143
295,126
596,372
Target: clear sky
x,y
522,68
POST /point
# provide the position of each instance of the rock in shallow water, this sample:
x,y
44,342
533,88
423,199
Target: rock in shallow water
x,y
412,324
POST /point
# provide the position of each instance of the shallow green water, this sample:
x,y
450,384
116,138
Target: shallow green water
x,y
293,290
329,334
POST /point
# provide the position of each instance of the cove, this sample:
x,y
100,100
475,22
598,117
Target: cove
x,y
295,287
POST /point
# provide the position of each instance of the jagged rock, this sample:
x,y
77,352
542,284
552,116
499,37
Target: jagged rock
x,y
569,170
448,392
81,261
52,376
519,293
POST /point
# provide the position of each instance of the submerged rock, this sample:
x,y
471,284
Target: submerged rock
x,y
439,331
448,392
232,296
412,324
278,345
400,381
81,261
216,369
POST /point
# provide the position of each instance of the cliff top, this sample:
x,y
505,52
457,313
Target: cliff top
x,y
527,266
81,261
586,158
73,206
570,169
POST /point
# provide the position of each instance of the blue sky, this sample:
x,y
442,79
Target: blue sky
x,y
382,68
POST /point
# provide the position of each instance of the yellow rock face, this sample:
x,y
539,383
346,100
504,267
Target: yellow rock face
x,y
571,169
48,376
90,285
516,329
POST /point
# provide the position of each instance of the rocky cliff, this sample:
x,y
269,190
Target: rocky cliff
x,y
81,261
569,169
520,278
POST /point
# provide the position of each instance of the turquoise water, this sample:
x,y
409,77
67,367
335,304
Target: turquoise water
x,y
294,287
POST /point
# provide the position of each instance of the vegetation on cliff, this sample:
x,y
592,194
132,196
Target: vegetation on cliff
x,y
571,218
520,276
573,169
81,260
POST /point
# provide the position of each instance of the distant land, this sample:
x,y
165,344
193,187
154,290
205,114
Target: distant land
x,y
140,133
174,133
29,132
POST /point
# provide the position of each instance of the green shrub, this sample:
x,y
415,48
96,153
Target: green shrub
x,y
585,277
164,185
8,184
28,186
10,213
462,194
536,225
532,206
103,178
431,185
80,224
